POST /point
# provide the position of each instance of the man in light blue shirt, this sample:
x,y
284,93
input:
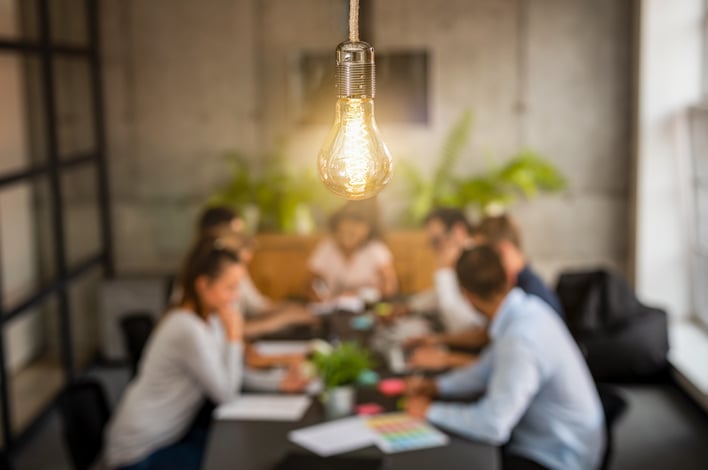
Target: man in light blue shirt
x,y
538,396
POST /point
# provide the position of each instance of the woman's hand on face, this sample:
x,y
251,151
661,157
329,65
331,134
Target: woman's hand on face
x,y
232,320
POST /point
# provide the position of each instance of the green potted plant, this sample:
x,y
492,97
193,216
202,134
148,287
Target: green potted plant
x,y
339,369
525,174
272,195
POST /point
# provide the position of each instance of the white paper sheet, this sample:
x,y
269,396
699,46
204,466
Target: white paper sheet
x,y
277,348
265,408
346,303
334,437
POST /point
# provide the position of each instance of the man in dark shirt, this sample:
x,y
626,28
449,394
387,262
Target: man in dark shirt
x,y
503,233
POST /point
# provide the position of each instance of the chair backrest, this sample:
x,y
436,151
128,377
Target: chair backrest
x,y
613,405
84,411
5,463
136,328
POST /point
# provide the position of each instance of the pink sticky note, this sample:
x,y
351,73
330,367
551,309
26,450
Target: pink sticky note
x,y
368,409
392,387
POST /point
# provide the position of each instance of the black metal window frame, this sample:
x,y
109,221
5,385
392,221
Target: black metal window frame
x,y
46,50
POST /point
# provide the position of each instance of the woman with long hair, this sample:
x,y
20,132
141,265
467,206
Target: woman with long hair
x,y
195,353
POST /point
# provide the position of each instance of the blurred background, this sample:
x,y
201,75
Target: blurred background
x,y
120,120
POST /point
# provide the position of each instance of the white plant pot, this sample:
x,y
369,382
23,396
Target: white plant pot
x,y
339,402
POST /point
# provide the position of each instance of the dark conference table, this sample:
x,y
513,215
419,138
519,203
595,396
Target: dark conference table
x,y
260,445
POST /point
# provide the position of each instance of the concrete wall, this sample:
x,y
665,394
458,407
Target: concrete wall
x,y
186,80
180,90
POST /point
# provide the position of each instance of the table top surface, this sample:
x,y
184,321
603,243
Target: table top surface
x,y
260,445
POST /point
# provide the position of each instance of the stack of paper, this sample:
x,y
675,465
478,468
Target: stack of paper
x,y
277,348
265,408
334,437
399,432
390,432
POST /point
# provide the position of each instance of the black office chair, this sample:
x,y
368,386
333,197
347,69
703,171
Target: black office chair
x,y
613,405
5,463
136,328
84,410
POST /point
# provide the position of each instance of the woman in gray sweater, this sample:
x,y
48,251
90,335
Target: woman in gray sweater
x,y
195,353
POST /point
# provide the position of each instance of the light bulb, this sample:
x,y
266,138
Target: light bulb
x,y
354,162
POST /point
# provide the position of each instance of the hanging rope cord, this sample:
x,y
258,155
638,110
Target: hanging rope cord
x,y
354,20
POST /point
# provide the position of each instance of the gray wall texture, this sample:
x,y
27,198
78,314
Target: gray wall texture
x,y
187,80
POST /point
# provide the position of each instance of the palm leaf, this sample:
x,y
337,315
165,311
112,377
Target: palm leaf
x,y
455,142
531,174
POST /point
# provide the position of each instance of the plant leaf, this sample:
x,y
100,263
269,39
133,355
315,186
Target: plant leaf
x,y
530,173
455,143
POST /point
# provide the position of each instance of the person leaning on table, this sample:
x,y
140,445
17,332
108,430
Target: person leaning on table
x,y
195,352
503,233
538,396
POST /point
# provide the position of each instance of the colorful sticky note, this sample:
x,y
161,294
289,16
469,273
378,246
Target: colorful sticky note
x,y
368,377
392,387
368,409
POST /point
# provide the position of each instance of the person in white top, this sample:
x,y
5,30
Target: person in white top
x,y
449,233
353,258
196,352
263,314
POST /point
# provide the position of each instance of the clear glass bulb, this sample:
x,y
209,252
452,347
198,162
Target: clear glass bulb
x,y
354,162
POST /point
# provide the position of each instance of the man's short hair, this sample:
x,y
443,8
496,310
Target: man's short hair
x,y
480,272
496,229
449,217
215,217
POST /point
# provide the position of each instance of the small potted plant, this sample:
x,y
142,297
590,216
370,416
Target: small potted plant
x,y
339,370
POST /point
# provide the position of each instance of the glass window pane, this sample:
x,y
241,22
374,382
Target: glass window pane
x,y
72,88
81,213
33,362
18,19
68,21
22,133
26,254
702,218
700,280
699,143
85,334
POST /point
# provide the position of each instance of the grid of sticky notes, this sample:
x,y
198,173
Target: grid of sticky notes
x,y
398,432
